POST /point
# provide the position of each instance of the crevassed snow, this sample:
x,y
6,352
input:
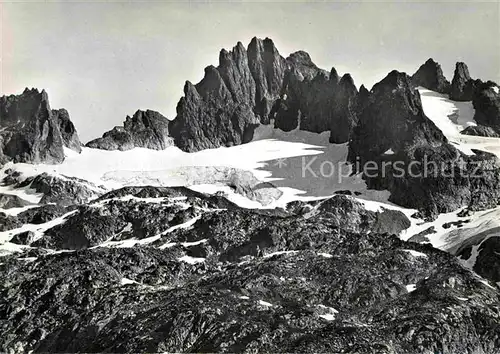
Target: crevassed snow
x,y
292,161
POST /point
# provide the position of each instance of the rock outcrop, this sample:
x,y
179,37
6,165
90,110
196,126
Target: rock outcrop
x,y
67,129
486,103
430,75
462,86
31,132
316,101
8,201
481,130
146,129
61,190
423,170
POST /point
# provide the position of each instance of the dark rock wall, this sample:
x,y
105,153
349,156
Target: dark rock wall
x,y
31,132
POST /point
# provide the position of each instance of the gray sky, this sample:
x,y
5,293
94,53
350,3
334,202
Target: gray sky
x,y
102,61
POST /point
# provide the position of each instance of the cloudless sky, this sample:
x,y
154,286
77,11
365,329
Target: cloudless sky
x,y
104,60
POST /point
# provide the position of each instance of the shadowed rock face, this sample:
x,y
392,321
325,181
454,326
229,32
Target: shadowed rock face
x,y
442,179
67,129
462,86
231,100
253,86
430,75
145,129
487,105
31,132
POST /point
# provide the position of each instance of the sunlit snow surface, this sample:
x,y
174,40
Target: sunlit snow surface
x,y
275,156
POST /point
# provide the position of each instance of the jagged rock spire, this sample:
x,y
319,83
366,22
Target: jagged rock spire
x,y
462,86
31,131
430,75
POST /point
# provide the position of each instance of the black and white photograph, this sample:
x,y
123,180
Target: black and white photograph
x,y
250,176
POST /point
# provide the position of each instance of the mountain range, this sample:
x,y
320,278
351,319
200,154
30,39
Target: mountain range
x,y
204,233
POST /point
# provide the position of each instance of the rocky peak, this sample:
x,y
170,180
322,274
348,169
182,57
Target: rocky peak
x,y
146,129
31,132
363,91
347,83
461,72
393,119
268,69
393,112
301,62
224,108
462,86
68,130
249,87
430,75
486,103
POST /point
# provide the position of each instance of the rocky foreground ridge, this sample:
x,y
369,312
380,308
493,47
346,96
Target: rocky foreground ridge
x,y
181,271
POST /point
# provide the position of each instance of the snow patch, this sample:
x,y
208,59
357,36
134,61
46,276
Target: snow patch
x,y
26,193
451,118
16,211
38,229
416,253
194,243
279,253
330,312
126,281
265,303
191,260
411,287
